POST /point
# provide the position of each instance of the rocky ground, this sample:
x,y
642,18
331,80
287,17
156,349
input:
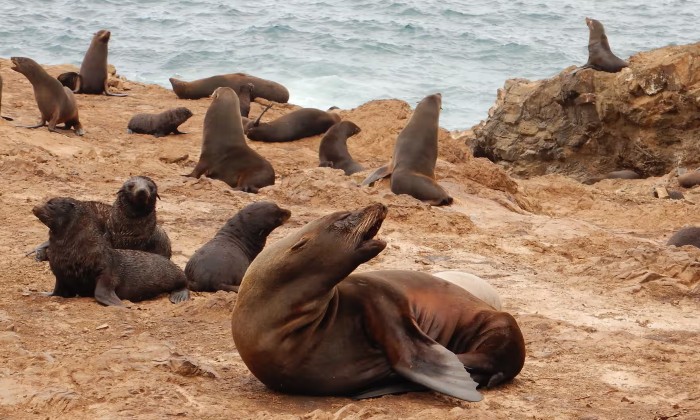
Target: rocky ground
x,y
609,313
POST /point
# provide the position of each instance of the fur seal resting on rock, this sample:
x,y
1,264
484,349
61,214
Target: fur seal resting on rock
x,y
221,263
333,150
687,236
85,264
159,125
690,179
412,168
600,57
225,154
298,124
474,285
56,103
304,323
201,88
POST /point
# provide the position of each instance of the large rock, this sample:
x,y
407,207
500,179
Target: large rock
x,y
586,122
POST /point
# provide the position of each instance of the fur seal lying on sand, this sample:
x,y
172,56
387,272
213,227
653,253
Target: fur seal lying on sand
x,y
474,285
298,124
600,57
622,174
412,168
303,323
56,103
221,263
201,88
687,236
690,179
333,150
85,264
159,125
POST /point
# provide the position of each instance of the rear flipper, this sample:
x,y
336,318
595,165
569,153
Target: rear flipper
x,y
378,174
421,187
37,125
104,291
178,296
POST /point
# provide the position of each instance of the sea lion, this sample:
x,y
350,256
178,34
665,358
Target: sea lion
x,y
333,150
56,103
600,57
201,88
159,125
474,285
690,179
245,95
412,168
221,263
225,153
689,235
304,324
298,124
85,264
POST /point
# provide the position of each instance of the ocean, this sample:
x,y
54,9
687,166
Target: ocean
x,y
347,52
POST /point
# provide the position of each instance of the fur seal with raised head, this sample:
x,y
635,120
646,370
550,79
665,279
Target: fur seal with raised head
x,y
474,285
245,95
689,235
304,323
412,169
225,154
221,263
333,150
56,103
600,57
201,88
159,125
298,124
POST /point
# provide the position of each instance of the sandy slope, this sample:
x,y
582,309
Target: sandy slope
x,y
610,314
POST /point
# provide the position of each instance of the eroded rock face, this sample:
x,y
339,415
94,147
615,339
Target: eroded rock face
x,y
582,123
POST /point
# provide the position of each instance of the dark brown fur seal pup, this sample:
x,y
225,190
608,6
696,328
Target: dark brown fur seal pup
x,y
600,57
159,125
412,168
333,151
689,179
225,153
304,122
56,102
221,263
245,95
687,236
304,324
201,88
86,265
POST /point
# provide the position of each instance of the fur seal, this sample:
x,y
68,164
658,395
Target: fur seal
x,y
225,153
690,179
622,174
333,150
687,236
245,95
474,285
412,168
56,103
86,265
221,263
159,125
298,124
201,88
304,323
600,57
93,75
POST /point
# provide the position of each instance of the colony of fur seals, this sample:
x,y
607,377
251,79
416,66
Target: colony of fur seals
x,y
225,154
298,124
93,75
333,150
201,88
303,323
221,263
600,57
56,103
159,125
85,264
687,236
412,168
474,285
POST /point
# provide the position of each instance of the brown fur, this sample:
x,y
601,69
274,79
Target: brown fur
x,y
333,150
298,124
687,236
202,88
600,57
245,95
159,125
689,179
93,70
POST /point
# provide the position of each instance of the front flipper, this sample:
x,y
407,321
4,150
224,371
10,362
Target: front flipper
x,y
380,173
104,291
40,252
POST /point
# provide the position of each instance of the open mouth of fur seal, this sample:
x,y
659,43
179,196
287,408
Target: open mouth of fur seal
x,y
371,219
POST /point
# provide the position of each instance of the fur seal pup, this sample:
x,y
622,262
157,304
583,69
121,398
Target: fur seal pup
x,y
3,117
245,95
333,150
412,168
304,323
690,179
298,124
225,154
687,236
600,57
474,285
56,103
201,88
86,265
221,263
159,125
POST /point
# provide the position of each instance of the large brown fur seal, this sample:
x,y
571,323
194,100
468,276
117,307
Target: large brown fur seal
x,y
159,125
412,168
86,265
201,88
298,124
687,236
689,179
221,263
333,150
93,75
56,103
304,324
225,153
600,57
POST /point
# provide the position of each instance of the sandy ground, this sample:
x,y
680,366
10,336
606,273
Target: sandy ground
x,y
609,313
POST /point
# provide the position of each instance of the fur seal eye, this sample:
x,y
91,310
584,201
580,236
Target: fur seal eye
x,y
300,244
